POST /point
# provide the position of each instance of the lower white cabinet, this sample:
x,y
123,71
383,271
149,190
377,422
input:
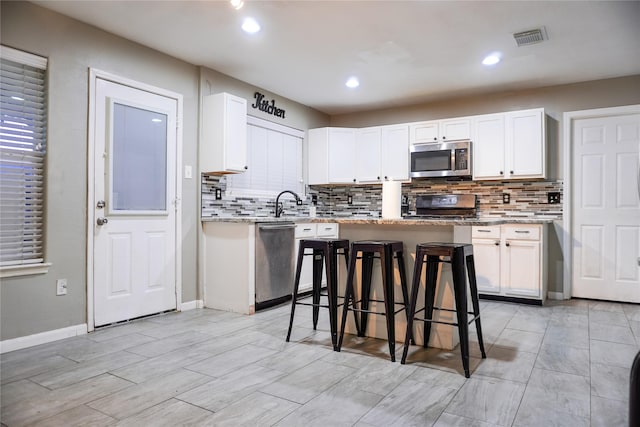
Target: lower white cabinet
x,y
510,260
310,231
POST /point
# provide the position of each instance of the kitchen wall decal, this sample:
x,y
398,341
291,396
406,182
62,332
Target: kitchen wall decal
x,y
267,106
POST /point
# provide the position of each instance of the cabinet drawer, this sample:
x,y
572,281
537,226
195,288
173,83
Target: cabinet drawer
x,y
513,232
488,232
305,230
327,230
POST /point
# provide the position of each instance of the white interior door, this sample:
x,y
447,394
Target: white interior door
x,y
134,244
606,208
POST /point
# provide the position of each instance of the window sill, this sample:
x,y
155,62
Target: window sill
x,y
24,270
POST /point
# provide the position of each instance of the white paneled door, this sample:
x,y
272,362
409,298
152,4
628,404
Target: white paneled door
x,y
606,208
134,252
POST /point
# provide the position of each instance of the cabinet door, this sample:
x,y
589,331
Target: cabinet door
x,y
424,132
342,143
486,257
456,129
236,134
367,160
318,156
488,147
521,268
395,153
526,144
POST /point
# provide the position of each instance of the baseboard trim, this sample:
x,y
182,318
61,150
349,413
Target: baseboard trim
x,y
42,338
555,295
192,305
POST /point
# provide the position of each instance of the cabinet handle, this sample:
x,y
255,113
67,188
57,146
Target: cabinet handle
x,y
507,244
354,180
306,229
511,172
497,243
444,137
484,231
246,167
378,178
501,173
522,231
386,177
435,138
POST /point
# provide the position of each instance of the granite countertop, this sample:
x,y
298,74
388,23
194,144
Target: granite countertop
x,y
497,220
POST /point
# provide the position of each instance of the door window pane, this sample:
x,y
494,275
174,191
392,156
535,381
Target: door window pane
x,y
139,180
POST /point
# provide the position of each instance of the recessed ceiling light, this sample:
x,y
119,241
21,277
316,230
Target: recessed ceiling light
x,y
352,82
250,26
156,120
491,59
237,4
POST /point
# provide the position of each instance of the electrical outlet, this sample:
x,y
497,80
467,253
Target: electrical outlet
x,y
349,199
506,198
218,194
61,287
299,202
553,197
314,199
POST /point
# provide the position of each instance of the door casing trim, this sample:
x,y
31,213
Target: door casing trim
x,y
567,204
95,74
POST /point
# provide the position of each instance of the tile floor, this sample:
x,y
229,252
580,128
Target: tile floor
x,y
564,364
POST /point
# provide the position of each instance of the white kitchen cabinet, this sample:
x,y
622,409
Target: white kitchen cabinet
x,y
224,134
509,145
331,156
510,260
368,154
488,146
440,130
526,147
395,153
382,154
310,231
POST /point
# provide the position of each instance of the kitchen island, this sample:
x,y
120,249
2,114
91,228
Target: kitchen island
x,y
229,260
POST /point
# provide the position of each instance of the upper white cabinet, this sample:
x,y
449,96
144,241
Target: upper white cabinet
x,y
509,145
368,154
223,148
488,146
526,143
395,153
331,156
440,130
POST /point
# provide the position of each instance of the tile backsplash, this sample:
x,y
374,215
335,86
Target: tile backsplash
x,y
527,198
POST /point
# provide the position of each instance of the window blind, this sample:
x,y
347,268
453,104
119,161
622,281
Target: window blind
x,y
274,159
22,157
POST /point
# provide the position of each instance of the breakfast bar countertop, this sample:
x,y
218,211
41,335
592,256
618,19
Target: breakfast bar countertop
x,y
482,221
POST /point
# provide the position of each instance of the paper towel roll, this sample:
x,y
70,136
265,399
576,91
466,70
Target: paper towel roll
x,y
391,199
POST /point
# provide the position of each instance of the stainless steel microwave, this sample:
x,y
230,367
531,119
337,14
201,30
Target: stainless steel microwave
x,y
441,159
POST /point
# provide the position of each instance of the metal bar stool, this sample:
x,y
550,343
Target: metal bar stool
x,y
326,250
387,250
458,255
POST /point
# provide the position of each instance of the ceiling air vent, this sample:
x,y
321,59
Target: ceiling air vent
x,y
525,38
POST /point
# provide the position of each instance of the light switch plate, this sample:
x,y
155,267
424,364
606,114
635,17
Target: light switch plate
x,y
61,287
188,172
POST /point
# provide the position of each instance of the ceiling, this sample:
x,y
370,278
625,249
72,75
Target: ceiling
x,y
404,52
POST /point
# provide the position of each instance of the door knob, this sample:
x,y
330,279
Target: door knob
x,y
102,221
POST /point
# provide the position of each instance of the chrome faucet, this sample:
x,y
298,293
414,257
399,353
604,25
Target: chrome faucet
x,y
280,207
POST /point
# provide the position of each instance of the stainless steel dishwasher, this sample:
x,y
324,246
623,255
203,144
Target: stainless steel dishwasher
x,y
275,263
